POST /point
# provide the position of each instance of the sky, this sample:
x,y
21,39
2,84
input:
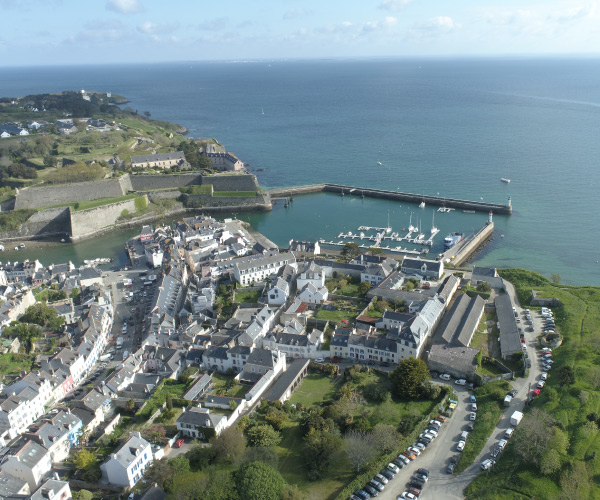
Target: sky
x,y
59,32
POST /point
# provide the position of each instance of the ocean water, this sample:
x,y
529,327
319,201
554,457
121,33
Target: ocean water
x,y
447,126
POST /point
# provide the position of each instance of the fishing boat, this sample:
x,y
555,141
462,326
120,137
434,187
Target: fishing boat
x,y
505,179
452,239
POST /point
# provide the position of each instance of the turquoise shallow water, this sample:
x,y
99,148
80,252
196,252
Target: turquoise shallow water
x,y
447,126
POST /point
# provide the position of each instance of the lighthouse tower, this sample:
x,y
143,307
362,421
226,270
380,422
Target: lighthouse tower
x,y
490,217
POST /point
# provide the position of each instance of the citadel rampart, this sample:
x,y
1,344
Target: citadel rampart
x,y
53,222
85,223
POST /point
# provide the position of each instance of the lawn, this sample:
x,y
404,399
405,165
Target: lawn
x,y
84,205
315,389
176,390
220,381
247,296
197,190
13,364
569,405
346,310
350,290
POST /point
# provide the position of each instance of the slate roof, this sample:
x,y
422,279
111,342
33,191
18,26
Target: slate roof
x,y
416,264
174,155
283,383
462,319
200,417
199,386
510,341
261,357
126,454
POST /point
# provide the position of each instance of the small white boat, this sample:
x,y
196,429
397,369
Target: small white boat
x,y
422,205
1,248
505,179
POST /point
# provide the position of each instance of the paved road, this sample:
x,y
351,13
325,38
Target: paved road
x,y
437,455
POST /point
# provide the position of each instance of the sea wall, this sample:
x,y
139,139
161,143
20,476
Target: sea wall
x,y
260,202
479,239
86,223
52,222
156,182
38,197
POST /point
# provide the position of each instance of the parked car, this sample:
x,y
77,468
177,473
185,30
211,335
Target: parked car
x,y
404,459
178,443
393,467
450,468
415,491
435,423
441,418
381,478
460,446
544,376
509,432
425,472
432,431
421,477
460,381
472,399
377,485
421,446
473,406
513,393
470,426
541,384
407,495
399,463
487,464
495,452
409,454
387,473
370,490
445,376
472,416
362,494
416,451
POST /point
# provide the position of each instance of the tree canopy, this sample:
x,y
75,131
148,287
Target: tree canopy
x,y
409,376
259,481
263,435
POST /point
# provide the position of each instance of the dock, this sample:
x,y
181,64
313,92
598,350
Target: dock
x,y
438,201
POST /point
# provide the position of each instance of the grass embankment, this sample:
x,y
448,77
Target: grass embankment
x,y
10,221
490,406
197,190
570,405
84,205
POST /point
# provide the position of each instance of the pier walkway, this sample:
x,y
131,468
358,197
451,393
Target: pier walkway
x,y
439,201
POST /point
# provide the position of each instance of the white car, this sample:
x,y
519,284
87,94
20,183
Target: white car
x,y
406,460
393,467
541,384
416,451
435,423
473,416
445,376
460,381
486,464
544,376
406,495
509,432
460,446
502,444
431,431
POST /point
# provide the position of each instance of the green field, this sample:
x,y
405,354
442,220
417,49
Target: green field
x,y
236,391
84,205
197,190
247,296
571,406
13,364
346,310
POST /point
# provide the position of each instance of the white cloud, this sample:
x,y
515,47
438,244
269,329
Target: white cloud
x,y
436,26
296,13
99,32
155,29
383,24
124,6
575,13
394,5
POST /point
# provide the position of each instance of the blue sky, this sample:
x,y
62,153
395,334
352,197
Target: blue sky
x,y
119,31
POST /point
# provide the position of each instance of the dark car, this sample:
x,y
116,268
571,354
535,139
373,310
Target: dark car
x,y
416,482
376,484
450,468
398,462
387,473
385,363
415,491
513,393
470,426
362,494
425,472
370,490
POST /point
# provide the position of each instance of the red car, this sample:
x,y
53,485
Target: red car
x,y
536,392
178,443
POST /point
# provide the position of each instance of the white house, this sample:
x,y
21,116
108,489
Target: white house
x,y
295,345
254,268
278,293
154,255
375,273
310,273
313,295
199,423
127,464
30,462
19,409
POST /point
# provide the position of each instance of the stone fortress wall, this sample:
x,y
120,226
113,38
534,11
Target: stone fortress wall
x,y
89,222
45,223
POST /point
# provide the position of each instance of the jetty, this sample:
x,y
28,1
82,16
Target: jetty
x,y
438,201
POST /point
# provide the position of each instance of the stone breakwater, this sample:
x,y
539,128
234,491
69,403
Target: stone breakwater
x,y
479,206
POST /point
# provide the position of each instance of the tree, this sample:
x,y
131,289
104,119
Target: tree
x,y
533,436
555,277
82,495
384,437
484,287
550,463
179,464
320,450
43,315
260,454
364,287
229,445
130,405
84,460
259,481
566,375
169,402
26,333
263,435
161,473
409,376
351,250
359,448
276,418
375,251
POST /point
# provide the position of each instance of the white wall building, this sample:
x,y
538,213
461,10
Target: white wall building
x,y
126,465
